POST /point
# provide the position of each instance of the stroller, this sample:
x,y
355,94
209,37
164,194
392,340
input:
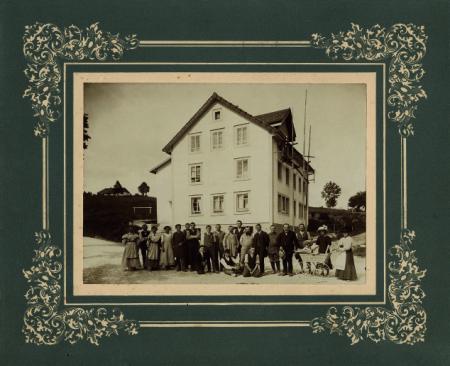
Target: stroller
x,y
316,263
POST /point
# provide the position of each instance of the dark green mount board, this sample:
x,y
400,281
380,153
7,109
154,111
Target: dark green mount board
x,y
404,43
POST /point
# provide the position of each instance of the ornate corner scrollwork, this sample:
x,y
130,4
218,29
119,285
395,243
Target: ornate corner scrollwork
x,y
402,46
46,322
45,46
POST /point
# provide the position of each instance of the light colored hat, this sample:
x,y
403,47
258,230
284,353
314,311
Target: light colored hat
x,y
323,228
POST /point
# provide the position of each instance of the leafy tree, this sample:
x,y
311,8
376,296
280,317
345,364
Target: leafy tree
x,y
86,137
144,189
117,185
330,193
358,201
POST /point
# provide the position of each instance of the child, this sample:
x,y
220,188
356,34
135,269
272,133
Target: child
x,y
130,258
345,264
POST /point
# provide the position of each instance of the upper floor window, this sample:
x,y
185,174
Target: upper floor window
x,y
295,208
241,135
242,203
216,139
280,170
299,184
242,167
287,176
194,143
294,181
195,171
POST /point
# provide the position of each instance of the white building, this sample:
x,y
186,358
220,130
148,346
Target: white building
x,y
227,165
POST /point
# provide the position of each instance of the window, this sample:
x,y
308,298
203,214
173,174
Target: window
x,y
195,173
216,115
304,188
242,202
280,170
217,203
242,168
196,208
294,181
300,210
283,204
299,184
287,176
241,135
195,143
295,208
216,139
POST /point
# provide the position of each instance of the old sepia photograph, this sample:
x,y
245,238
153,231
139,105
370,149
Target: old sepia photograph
x,y
245,182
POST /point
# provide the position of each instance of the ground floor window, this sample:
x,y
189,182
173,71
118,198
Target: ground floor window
x,y
196,207
242,201
283,204
218,203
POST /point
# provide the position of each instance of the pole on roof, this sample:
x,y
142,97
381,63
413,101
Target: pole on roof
x,y
305,173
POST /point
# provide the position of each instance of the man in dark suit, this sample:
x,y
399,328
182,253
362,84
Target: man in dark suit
x,y
260,243
288,241
239,230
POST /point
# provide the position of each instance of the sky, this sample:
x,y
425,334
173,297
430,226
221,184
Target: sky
x,y
129,124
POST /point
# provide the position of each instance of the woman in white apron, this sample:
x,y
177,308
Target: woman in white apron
x,y
344,263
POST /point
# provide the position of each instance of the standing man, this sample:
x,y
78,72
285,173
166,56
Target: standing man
x,y
143,236
261,244
193,238
274,250
239,231
288,241
210,249
230,242
188,263
246,243
179,248
219,235
303,240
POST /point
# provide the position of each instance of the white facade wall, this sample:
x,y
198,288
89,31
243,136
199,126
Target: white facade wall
x,y
218,172
161,188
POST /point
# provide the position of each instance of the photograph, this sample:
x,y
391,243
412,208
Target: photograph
x,y
225,183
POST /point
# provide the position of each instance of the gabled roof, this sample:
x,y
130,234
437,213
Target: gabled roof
x,y
214,98
274,117
161,165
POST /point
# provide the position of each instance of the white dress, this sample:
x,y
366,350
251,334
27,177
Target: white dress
x,y
344,244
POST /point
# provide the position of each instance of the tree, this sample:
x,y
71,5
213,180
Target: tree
x,y
144,189
86,137
358,201
117,185
330,193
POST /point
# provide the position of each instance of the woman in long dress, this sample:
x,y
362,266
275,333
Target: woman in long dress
x,y
153,243
166,258
130,258
345,264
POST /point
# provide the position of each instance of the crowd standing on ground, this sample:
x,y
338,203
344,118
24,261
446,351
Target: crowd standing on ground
x,y
238,251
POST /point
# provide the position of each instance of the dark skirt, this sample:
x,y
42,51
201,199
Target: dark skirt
x,y
349,273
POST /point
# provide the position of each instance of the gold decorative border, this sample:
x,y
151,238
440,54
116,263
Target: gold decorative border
x,y
46,46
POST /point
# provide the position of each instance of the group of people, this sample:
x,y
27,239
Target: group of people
x,y
239,251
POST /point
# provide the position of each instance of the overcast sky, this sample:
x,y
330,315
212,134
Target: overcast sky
x,y
130,123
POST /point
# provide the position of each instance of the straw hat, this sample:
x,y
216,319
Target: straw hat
x,y
323,228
